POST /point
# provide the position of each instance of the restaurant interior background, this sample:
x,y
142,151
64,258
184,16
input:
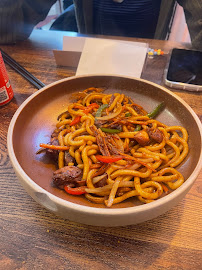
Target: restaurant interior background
x,y
179,30
35,238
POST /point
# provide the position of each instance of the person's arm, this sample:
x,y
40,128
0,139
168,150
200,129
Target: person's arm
x,y
193,15
18,18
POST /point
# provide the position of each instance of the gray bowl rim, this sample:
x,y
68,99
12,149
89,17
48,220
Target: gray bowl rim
x,y
94,210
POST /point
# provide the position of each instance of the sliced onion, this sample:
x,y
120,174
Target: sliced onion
x,y
98,178
112,115
134,166
119,142
41,150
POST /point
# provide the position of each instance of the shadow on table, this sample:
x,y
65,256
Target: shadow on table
x,y
53,241
142,244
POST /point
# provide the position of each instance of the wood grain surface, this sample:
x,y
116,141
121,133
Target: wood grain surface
x,y
33,238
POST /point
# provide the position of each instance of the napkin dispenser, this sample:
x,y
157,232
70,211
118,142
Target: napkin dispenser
x,y
102,56
70,55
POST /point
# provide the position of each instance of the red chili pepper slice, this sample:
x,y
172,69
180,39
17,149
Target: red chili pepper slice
x,y
108,159
75,121
75,191
90,108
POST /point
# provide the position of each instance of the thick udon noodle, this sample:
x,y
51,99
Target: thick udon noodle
x,y
144,171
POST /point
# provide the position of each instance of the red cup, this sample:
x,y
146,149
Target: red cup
x,y
6,91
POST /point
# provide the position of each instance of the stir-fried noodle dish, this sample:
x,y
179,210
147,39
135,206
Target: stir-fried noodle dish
x,y
108,149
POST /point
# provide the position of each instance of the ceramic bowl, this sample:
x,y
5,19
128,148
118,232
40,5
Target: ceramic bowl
x,y
34,122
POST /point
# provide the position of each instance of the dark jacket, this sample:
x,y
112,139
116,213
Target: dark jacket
x,y
18,18
192,9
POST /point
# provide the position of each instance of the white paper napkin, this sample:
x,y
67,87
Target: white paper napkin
x,y
112,57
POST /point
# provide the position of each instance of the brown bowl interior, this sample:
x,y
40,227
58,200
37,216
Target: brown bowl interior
x,y
38,118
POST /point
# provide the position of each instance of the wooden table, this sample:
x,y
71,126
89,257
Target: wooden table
x,y
33,238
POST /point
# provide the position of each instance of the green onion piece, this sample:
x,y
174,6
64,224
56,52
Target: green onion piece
x,y
127,114
110,130
100,109
138,127
155,111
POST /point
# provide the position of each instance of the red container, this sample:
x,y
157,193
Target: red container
x,y
6,91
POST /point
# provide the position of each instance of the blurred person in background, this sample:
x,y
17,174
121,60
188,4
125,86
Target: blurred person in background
x,y
67,20
131,18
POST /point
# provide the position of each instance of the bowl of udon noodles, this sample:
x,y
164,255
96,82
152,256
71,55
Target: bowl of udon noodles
x,y
105,150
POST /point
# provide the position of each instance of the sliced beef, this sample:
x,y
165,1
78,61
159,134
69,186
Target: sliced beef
x,y
102,182
111,100
101,141
115,126
54,135
68,175
155,134
108,124
68,158
112,149
100,123
68,115
137,108
53,154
